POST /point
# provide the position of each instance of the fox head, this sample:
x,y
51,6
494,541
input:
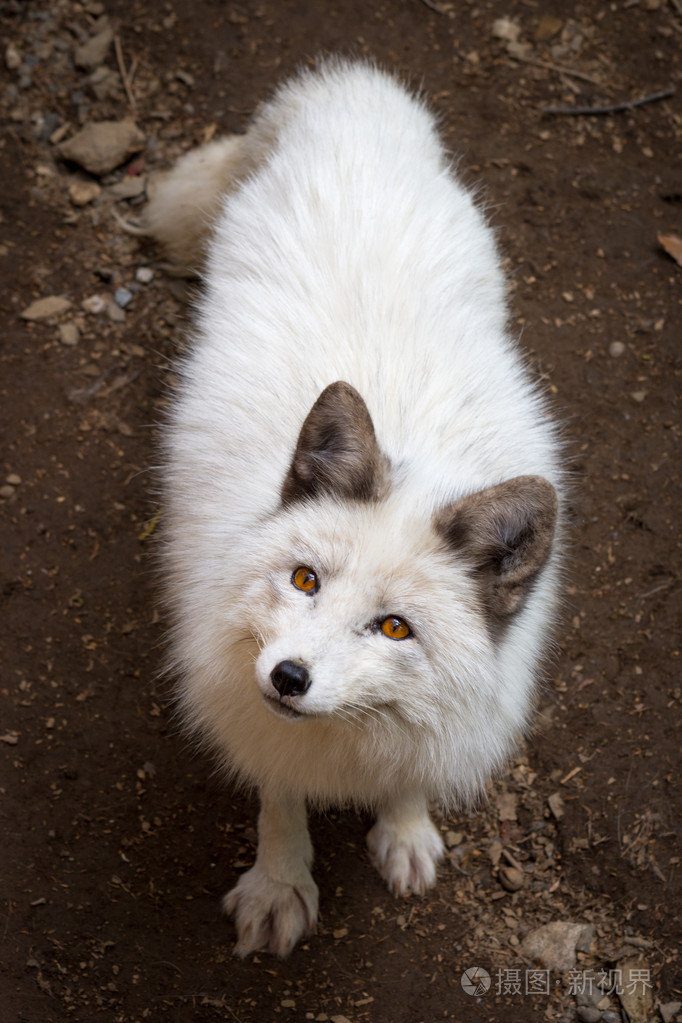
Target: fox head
x,y
367,602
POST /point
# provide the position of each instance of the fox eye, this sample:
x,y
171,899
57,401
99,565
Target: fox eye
x,y
305,579
395,628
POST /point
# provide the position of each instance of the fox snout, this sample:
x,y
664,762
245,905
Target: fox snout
x,y
290,678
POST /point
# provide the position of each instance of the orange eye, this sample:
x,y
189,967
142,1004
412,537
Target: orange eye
x,y
395,628
304,579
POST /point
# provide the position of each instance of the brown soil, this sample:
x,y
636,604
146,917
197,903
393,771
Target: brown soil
x,y
118,838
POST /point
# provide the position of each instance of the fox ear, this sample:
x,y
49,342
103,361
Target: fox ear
x,y
505,532
337,451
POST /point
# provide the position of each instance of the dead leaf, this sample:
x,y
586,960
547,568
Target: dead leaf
x,y
672,245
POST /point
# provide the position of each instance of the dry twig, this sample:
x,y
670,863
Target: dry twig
x,y
560,69
125,76
612,108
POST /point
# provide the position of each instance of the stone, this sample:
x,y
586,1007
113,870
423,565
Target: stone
x,y
94,51
101,146
69,333
635,992
46,308
669,1011
83,192
554,945
145,275
511,878
129,187
94,304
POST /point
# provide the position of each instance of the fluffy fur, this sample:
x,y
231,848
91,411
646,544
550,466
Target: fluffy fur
x,y
343,248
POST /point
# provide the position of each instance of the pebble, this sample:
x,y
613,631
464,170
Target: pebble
x,y
511,878
13,479
92,53
589,1014
83,192
452,838
12,57
505,28
7,491
69,333
115,313
612,1017
669,1010
94,304
129,187
556,805
45,308
638,395
616,349
145,275
103,82
123,297
554,945
102,146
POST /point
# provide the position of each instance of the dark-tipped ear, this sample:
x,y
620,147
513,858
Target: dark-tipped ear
x,y
337,451
505,532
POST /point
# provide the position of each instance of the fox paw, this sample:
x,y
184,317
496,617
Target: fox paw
x,y
406,856
271,914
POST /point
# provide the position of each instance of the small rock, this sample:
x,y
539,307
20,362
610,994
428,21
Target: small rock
x,y
115,313
638,396
505,28
452,838
129,187
145,275
94,51
13,479
48,126
511,878
94,304
548,26
12,57
185,77
69,333
104,82
45,308
611,1017
123,297
635,993
83,192
616,349
341,932
556,805
102,146
6,492
669,1010
506,805
588,1014
554,945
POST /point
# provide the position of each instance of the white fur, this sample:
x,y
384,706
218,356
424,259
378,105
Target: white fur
x,y
348,252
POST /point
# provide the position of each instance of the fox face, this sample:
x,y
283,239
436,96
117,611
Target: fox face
x,y
368,603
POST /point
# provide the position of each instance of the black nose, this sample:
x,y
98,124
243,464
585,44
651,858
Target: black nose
x,y
290,678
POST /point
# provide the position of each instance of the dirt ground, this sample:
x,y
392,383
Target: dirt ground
x,y
118,839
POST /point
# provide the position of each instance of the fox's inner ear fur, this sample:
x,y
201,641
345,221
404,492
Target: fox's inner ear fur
x,y
337,451
506,534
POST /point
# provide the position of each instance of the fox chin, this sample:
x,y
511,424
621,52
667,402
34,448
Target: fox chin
x,y
362,483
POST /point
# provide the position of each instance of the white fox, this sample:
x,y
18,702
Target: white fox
x,y
361,483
